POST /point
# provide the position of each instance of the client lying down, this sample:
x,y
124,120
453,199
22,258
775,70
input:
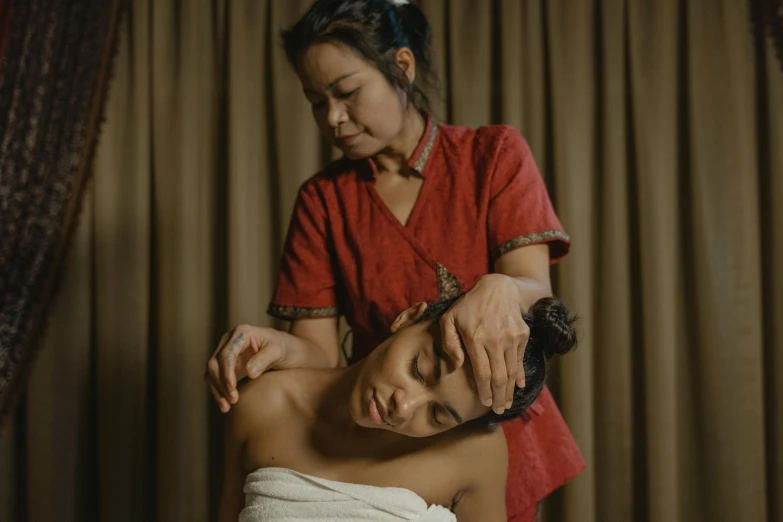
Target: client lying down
x,y
374,441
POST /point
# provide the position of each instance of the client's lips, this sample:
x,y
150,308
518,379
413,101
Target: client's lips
x,y
383,411
378,411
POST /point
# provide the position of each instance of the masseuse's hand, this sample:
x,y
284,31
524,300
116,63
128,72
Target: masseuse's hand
x,y
488,322
245,350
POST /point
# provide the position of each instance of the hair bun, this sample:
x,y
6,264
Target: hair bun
x,y
550,327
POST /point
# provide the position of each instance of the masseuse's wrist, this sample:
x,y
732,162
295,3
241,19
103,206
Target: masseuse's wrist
x,y
526,290
302,353
530,290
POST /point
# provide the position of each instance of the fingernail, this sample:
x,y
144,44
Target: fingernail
x,y
499,410
508,404
251,372
487,402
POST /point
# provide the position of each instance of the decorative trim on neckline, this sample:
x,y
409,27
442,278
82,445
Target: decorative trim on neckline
x,y
448,284
421,161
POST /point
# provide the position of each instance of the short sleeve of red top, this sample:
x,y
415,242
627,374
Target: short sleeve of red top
x,y
306,284
520,212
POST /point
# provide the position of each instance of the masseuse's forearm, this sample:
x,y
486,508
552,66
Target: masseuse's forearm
x,y
304,353
313,343
527,271
530,290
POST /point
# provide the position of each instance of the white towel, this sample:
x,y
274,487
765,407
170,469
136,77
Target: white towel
x,y
284,495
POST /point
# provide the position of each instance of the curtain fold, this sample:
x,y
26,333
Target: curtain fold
x,y
658,129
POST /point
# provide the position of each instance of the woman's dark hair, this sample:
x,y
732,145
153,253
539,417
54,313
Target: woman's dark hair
x,y
551,334
375,29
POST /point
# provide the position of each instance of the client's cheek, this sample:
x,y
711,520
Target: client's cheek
x,y
384,359
389,369
419,428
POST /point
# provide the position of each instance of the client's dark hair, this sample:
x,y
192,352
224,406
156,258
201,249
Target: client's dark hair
x,y
373,28
551,334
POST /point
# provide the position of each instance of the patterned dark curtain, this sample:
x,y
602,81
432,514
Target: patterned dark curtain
x,y
56,58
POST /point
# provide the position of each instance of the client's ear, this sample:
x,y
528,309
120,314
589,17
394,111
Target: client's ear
x,y
408,317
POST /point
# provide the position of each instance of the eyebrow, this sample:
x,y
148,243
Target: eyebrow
x,y
334,82
453,413
438,358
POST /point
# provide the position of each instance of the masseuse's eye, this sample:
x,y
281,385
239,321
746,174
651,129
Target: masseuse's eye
x,y
347,95
415,368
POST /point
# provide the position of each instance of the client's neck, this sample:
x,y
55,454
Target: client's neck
x,y
335,396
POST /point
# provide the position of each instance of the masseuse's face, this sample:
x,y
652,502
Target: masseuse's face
x,y
408,386
355,107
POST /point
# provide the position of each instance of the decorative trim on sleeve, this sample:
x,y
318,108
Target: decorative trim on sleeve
x,y
301,312
421,161
448,284
529,239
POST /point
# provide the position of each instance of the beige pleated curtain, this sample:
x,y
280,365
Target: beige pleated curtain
x,y
659,128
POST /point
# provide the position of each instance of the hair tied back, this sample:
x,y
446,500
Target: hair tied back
x,y
551,327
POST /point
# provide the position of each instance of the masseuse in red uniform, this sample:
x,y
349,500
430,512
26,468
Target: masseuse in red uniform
x,y
415,211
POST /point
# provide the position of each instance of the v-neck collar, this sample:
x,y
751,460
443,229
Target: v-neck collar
x,y
420,157
418,162
421,154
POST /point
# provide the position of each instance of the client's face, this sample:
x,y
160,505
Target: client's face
x,y
407,385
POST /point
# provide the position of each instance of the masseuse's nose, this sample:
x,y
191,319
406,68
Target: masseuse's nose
x,y
407,402
336,113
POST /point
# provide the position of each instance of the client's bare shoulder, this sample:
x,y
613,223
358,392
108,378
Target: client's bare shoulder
x,y
483,463
482,455
482,444
263,402
264,399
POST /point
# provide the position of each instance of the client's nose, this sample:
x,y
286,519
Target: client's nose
x,y
406,403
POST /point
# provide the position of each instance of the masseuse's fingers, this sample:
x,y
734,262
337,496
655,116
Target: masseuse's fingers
x,y
262,361
499,379
511,373
228,363
212,375
222,402
524,337
482,369
451,343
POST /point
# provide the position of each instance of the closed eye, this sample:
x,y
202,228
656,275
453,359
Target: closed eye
x,y
415,368
434,415
347,95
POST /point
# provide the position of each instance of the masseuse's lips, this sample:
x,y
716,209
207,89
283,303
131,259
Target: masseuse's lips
x,y
346,141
